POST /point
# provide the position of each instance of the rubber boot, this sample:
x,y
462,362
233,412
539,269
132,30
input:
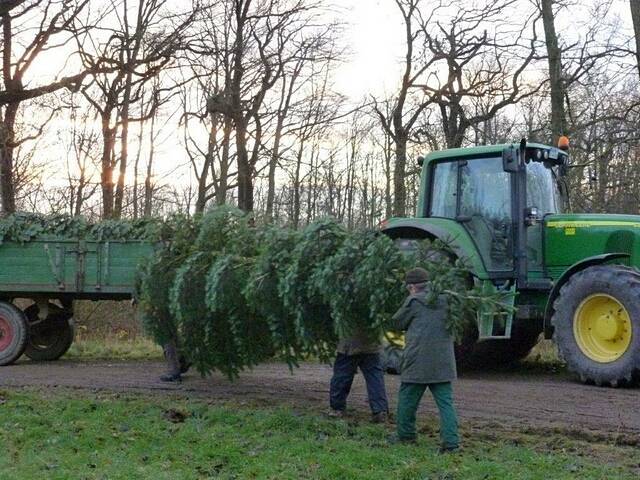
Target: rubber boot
x,y
173,363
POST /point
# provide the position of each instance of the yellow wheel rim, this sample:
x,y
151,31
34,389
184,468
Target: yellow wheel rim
x,y
395,339
602,328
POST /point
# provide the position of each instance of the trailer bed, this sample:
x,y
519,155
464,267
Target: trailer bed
x,y
74,269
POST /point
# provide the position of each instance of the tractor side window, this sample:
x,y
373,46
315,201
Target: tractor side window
x,y
445,184
485,210
542,190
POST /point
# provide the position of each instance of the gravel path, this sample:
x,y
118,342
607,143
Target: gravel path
x,y
515,401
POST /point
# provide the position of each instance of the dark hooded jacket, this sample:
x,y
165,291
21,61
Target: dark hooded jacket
x,y
428,355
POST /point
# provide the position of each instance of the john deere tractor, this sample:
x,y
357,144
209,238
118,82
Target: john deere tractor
x,y
574,276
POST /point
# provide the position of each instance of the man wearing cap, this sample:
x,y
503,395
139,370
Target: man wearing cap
x,y
363,352
428,361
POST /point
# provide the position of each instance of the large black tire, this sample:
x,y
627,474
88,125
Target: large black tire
x,y
13,333
50,339
470,353
603,362
473,355
185,364
525,334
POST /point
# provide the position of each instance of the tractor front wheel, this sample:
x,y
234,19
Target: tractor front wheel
x,y
50,338
597,324
13,333
473,354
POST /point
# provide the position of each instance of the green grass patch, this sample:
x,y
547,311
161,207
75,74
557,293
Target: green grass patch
x,y
114,348
62,435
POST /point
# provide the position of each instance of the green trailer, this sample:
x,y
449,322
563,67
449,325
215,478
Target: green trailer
x,y
50,273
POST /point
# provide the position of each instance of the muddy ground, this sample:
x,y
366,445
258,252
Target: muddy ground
x,y
515,401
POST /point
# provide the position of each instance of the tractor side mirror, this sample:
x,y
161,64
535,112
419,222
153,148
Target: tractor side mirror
x,y
420,160
532,216
510,160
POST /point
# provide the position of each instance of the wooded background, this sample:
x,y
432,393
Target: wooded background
x,y
240,97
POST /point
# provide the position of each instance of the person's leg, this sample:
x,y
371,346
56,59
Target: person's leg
x,y
173,363
408,400
442,394
371,366
344,368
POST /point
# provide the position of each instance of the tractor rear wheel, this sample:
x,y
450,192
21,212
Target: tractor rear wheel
x,y
13,333
597,324
50,338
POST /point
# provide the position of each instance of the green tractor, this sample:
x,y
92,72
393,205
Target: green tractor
x,y
575,275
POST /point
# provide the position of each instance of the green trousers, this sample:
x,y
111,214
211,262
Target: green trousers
x,y
408,401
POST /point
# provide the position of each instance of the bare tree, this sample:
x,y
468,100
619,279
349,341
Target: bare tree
x,y
557,87
635,17
260,49
399,122
138,52
479,63
83,147
54,20
454,58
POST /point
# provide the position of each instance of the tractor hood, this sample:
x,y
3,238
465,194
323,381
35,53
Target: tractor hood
x,y
570,238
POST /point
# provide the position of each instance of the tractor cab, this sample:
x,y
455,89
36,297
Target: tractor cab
x,y
497,194
489,204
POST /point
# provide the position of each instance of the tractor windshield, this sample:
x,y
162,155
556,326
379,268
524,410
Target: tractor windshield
x,y
542,190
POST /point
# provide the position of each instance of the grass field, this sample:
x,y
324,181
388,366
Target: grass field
x,y
544,356
67,435
114,348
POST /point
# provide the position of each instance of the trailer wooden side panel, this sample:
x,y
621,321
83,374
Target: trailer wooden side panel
x,y
71,268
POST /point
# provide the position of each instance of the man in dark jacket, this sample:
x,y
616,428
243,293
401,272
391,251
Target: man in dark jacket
x,y
428,361
359,351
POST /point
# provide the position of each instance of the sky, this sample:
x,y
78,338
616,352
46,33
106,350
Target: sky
x,y
374,36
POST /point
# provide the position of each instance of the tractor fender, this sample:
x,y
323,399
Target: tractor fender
x,y
411,229
573,269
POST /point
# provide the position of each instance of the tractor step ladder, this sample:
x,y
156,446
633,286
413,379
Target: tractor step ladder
x,y
495,323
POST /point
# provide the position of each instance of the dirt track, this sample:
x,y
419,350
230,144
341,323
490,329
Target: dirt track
x,y
514,401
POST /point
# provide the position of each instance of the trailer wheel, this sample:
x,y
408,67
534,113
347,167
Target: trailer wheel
x,y
50,338
184,363
597,324
13,333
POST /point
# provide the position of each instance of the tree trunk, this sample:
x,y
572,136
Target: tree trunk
x,y
106,179
148,185
124,147
558,122
295,217
387,177
79,198
223,184
124,153
7,187
635,16
399,187
273,163
201,197
7,128
245,178
136,166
